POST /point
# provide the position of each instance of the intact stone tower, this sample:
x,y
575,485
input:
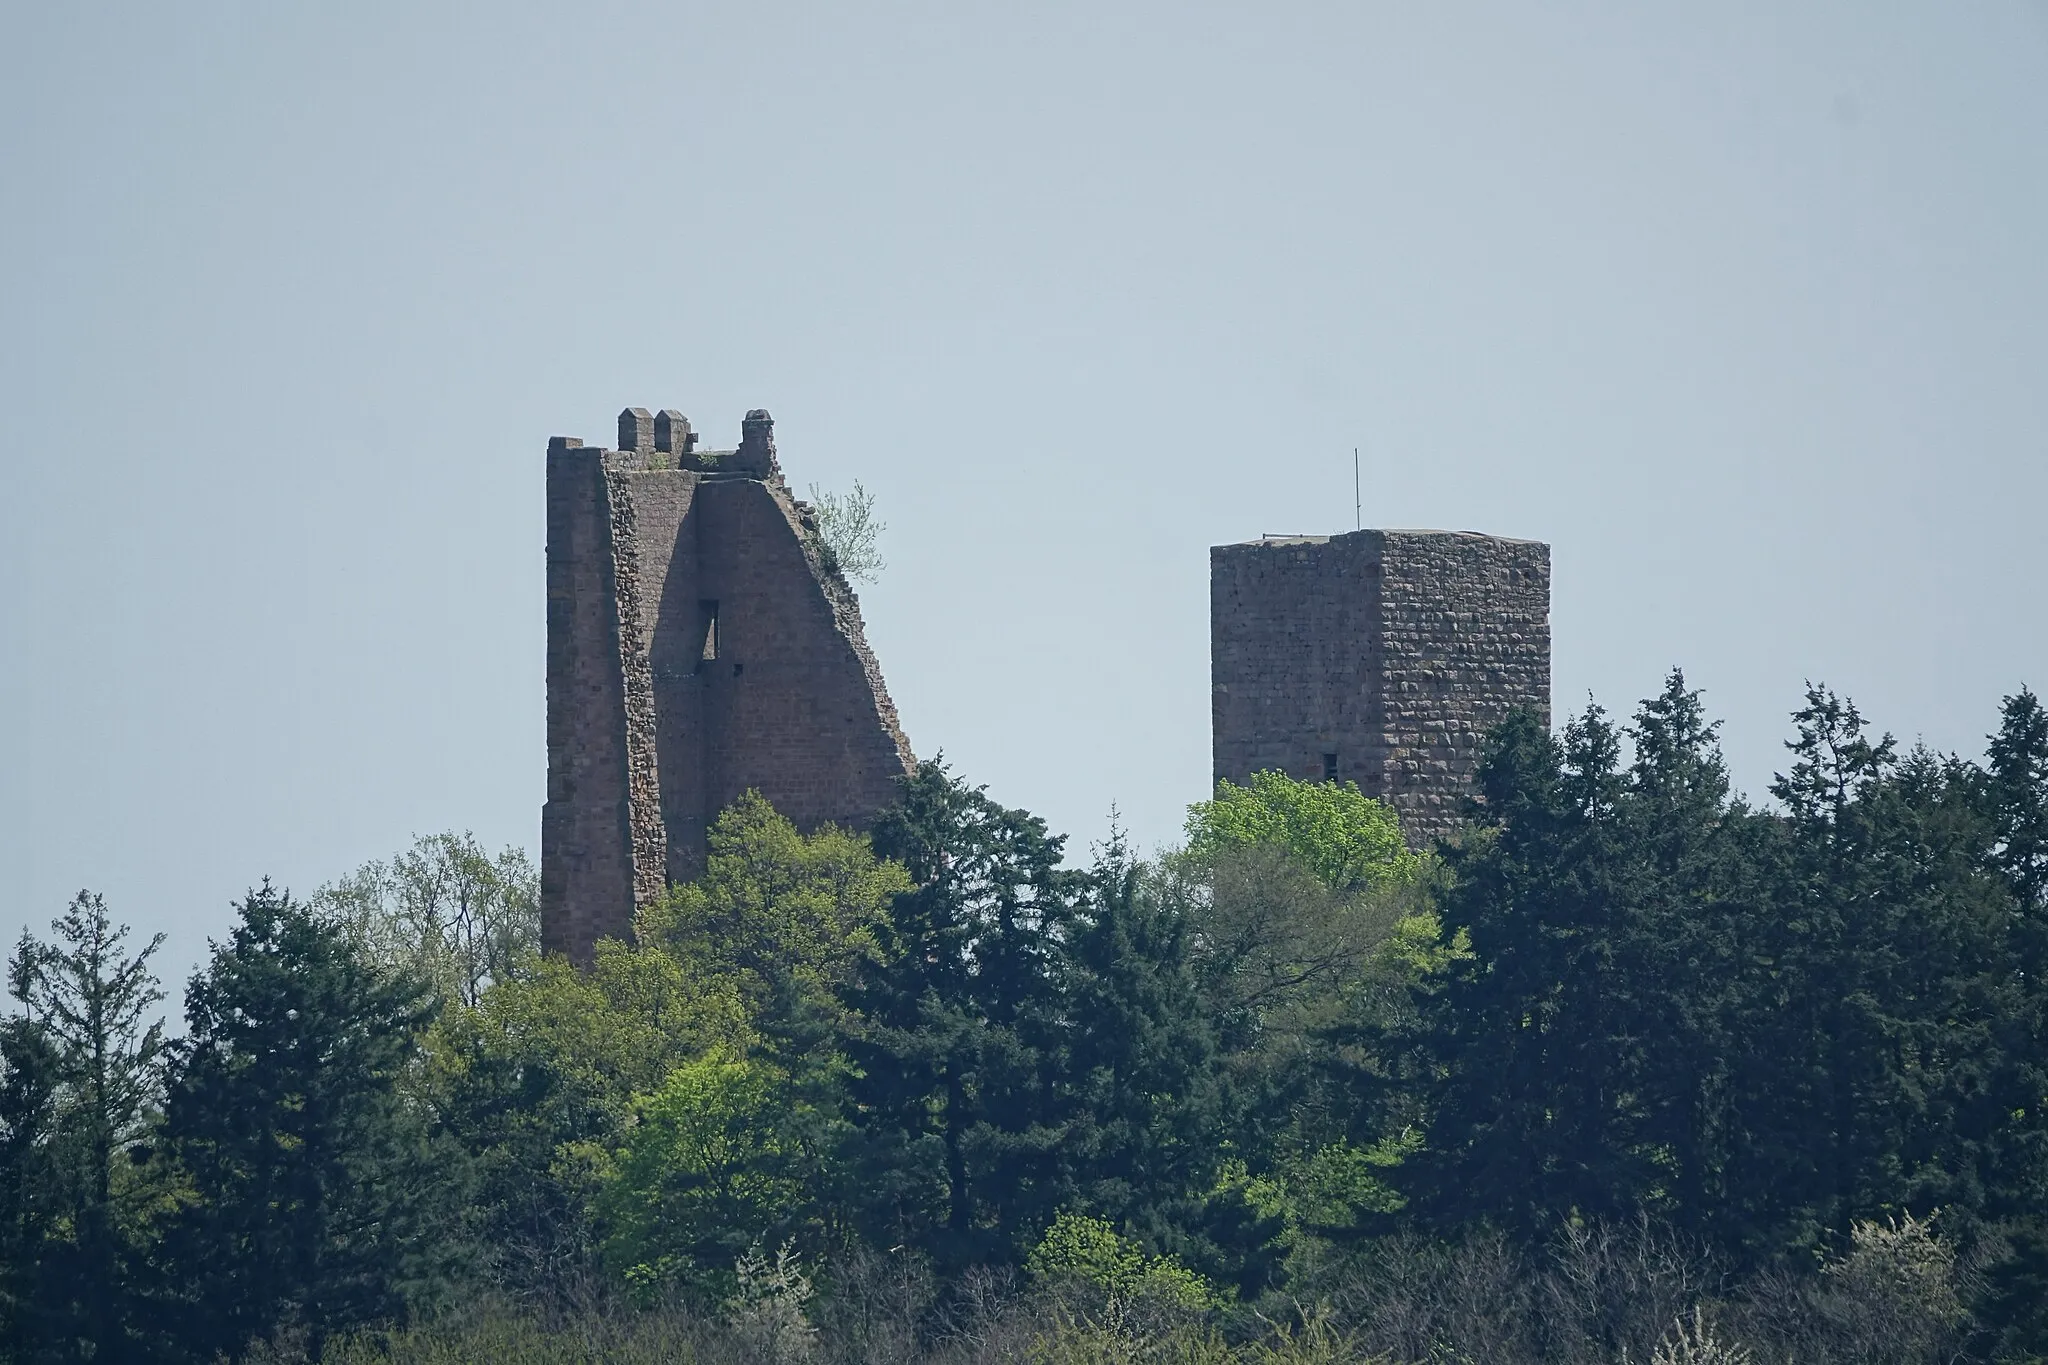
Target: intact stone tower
x,y
1377,657
698,645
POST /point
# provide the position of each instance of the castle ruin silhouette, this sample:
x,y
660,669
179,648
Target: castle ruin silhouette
x,y
701,644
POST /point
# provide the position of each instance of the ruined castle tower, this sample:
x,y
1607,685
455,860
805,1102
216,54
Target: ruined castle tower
x,y
1377,657
698,646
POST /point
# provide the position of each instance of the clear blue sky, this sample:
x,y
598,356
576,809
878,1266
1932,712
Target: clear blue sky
x,y
1743,307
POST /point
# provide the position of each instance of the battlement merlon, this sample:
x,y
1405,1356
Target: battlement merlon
x,y
646,436
672,434
636,431
756,456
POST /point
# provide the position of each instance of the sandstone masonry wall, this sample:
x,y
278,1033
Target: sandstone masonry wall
x,y
586,844
697,648
1379,657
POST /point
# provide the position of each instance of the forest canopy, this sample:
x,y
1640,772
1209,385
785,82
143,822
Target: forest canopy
x,y
1629,1068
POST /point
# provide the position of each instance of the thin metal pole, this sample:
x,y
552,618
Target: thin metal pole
x,y
1357,500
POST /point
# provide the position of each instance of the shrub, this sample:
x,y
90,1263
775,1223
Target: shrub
x,y
1079,1250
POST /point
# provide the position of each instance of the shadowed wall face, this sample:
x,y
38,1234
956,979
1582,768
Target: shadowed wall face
x,y
1378,657
697,648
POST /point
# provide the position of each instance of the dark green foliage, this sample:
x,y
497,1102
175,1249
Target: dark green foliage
x,y
1759,1028
1149,1108
32,1188
956,1031
2016,792
1629,1069
1888,986
84,1071
2019,789
318,1198
1541,1116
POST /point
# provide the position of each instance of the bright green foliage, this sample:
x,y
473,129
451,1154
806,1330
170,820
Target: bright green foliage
x,y
777,909
848,533
603,1034
779,922
1347,840
1281,950
711,1168
1080,1248
318,1197
1312,1204
1315,927
1329,1187
538,1083
444,910
541,1079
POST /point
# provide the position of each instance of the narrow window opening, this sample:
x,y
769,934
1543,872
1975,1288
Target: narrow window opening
x,y
1329,767
708,614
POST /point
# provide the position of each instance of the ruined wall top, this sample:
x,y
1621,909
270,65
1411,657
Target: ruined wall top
x,y
666,440
1282,539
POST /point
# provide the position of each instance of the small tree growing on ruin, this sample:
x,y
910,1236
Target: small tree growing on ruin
x,y
848,532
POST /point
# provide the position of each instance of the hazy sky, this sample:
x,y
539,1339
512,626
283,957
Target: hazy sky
x,y
1744,308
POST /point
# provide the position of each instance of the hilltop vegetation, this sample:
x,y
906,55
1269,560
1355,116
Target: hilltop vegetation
x,y
1631,1070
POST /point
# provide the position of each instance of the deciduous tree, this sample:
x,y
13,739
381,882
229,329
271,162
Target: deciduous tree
x,y
445,910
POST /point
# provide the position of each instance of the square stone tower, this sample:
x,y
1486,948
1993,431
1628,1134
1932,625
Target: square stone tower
x,y
1377,657
698,646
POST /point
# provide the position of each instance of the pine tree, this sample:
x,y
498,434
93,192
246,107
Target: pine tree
x,y
954,1030
1147,1111
1693,894
1819,1100
90,1000
1587,1043
318,1192
1539,1118
1876,1046
32,1297
2019,785
2017,798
